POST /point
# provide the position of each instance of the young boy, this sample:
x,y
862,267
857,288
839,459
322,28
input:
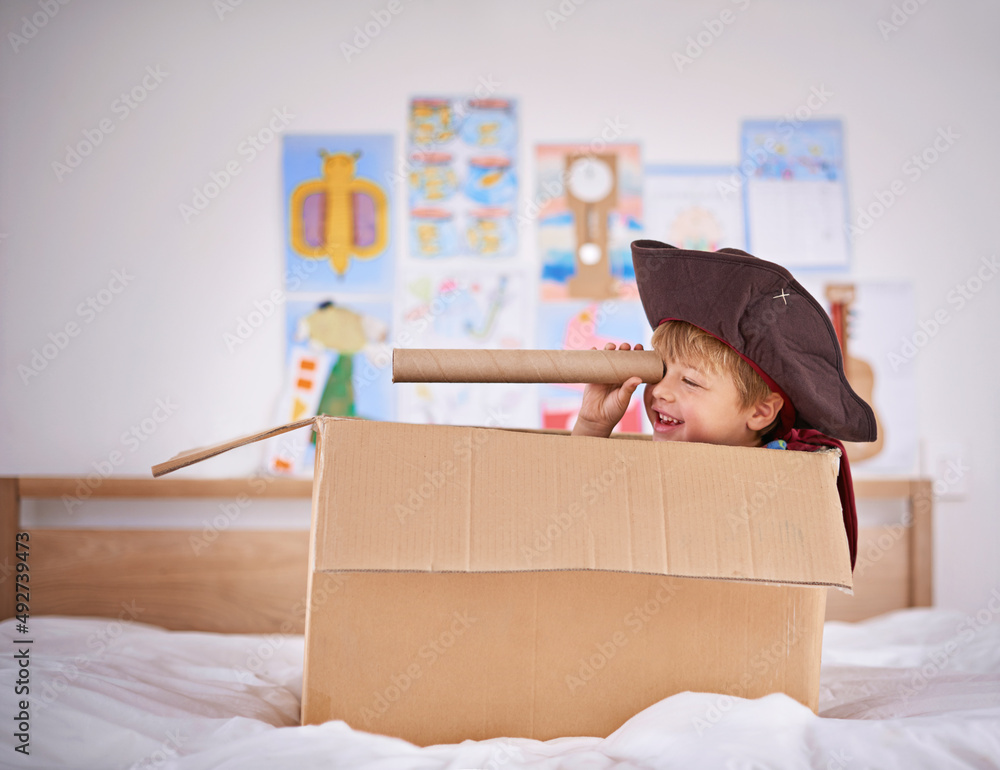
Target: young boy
x,y
708,394
750,359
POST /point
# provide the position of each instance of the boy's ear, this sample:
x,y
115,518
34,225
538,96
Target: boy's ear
x,y
765,412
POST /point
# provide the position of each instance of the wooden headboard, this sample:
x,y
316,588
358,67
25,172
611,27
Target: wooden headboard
x,y
894,568
255,581
245,582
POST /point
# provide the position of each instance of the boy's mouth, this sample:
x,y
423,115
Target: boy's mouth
x,y
666,421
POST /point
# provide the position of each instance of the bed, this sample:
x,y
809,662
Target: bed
x,y
149,652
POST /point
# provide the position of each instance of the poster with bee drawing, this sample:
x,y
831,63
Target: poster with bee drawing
x,y
338,200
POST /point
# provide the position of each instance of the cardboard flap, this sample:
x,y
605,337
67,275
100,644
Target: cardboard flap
x,y
197,455
437,498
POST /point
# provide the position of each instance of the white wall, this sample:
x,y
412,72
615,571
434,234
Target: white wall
x,y
161,338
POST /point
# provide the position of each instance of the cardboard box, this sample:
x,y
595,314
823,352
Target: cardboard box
x,y
472,583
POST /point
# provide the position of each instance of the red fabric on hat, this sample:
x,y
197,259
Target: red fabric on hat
x,y
808,440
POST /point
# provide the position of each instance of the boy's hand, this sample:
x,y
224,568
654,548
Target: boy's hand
x,y
604,406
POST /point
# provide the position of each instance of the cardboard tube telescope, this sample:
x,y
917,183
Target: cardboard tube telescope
x,y
559,366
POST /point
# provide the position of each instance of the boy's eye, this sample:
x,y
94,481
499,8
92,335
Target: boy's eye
x,y
688,381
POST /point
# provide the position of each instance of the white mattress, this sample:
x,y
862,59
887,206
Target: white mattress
x,y
912,689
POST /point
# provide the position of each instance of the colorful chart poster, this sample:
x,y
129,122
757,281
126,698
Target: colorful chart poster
x,y
337,364
338,206
795,192
463,309
687,207
582,326
589,206
873,319
462,177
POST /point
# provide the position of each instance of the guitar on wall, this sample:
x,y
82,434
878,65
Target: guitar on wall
x,y
859,373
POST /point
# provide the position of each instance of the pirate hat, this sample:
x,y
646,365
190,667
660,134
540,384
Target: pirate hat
x,y
764,314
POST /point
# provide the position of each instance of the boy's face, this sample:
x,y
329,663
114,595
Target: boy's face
x,y
691,403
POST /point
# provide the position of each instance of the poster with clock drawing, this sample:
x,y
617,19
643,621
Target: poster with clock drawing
x,y
588,204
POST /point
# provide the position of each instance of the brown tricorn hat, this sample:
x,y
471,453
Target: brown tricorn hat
x,y
764,314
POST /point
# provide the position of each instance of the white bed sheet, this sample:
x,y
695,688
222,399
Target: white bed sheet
x,y
912,689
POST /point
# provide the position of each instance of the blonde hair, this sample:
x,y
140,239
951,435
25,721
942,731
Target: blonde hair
x,y
681,341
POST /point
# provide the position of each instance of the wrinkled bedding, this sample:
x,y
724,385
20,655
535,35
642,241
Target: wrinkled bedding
x,y
910,689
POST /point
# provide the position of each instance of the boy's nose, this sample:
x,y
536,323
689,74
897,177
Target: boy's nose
x,y
663,391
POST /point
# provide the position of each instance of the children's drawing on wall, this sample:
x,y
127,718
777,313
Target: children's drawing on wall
x,y
338,206
792,177
338,365
872,319
686,207
462,177
461,309
589,209
582,326
491,405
